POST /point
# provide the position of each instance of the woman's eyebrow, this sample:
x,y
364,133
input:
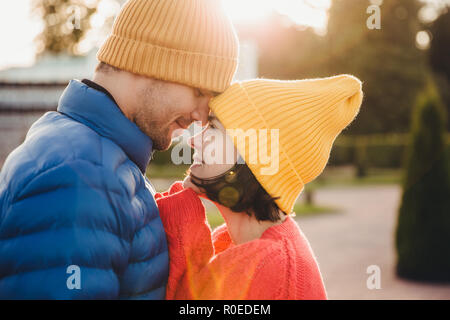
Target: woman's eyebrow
x,y
211,118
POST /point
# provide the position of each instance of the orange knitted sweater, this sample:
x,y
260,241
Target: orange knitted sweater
x,y
207,265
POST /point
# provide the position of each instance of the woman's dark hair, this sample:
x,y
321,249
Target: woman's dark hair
x,y
239,190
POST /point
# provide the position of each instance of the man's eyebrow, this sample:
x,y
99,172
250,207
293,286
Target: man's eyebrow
x,y
209,92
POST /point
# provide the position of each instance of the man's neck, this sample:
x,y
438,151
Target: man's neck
x,y
98,87
113,85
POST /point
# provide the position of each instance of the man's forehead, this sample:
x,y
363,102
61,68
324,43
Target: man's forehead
x,y
209,92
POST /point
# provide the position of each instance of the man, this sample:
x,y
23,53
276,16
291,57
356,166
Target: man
x,y
78,219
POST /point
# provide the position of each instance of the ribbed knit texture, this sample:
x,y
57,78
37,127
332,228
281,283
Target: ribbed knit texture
x,y
190,42
309,114
205,265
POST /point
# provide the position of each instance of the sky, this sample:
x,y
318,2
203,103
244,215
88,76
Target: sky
x,y
17,31
19,27
305,12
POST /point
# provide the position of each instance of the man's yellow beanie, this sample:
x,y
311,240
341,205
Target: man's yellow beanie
x,y
190,42
309,115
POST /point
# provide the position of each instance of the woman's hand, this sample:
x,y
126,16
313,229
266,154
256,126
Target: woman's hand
x,y
187,183
179,204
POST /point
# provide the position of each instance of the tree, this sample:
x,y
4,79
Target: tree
x,y
439,56
386,60
440,45
423,227
65,24
288,51
391,67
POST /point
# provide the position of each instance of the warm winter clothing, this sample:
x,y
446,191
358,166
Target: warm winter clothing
x,y
191,42
74,193
308,116
205,265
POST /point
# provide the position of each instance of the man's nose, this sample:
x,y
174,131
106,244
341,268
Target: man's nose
x,y
202,111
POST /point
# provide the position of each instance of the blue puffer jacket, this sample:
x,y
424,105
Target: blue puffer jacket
x,y
77,216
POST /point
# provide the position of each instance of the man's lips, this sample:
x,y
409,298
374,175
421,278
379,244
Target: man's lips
x,y
182,124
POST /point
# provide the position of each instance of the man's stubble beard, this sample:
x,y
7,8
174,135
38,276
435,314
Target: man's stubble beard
x,y
152,117
156,132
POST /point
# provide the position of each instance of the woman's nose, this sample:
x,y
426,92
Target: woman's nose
x,y
190,142
195,141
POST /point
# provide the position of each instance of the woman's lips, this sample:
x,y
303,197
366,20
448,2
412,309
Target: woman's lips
x,y
197,162
197,159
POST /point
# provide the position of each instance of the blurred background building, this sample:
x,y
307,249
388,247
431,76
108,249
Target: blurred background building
x,y
27,92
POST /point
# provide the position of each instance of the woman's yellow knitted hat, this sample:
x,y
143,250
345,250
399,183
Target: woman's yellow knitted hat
x,y
308,116
190,42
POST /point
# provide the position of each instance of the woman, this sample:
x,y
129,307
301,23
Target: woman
x,y
260,252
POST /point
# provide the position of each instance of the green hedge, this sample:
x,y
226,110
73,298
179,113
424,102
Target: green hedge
x,y
375,151
422,236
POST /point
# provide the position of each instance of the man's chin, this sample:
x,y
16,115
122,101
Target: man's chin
x,y
161,145
164,144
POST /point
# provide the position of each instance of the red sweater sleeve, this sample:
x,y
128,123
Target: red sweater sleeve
x,y
221,239
187,231
199,269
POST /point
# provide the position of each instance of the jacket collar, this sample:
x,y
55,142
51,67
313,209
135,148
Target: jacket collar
x,y
97,111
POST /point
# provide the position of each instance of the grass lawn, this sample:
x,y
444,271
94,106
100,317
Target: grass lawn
x,y
331,177
215,218
302,210
345,176
170,171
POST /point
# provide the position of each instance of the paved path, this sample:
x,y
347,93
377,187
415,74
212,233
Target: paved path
x,y
347,243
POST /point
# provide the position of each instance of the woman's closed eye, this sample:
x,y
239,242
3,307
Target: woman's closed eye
x,y
211,119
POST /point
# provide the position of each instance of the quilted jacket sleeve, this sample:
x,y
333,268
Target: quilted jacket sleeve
x,y
62,235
